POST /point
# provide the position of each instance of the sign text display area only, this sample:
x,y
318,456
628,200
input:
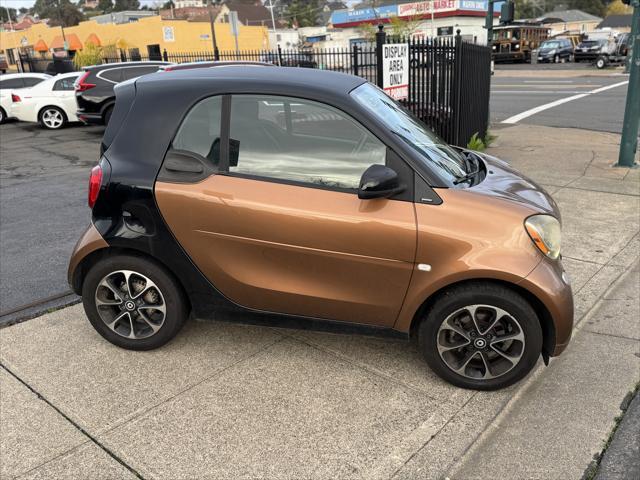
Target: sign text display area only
x,y
395,70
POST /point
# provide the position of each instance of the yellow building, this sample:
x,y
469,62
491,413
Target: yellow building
x,y
147,35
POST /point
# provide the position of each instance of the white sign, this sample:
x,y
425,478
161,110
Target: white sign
x,y
395,70
233,21
167,34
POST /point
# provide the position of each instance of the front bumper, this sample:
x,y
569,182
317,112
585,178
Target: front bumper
x,y
549,283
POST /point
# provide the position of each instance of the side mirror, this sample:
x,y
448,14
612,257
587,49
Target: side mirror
x,y
379,181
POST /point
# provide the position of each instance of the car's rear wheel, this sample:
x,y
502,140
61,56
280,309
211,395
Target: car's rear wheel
x,y
52,118
133,302
3,115
480,336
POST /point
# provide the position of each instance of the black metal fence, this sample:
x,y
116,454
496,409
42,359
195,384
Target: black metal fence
x,y
449,80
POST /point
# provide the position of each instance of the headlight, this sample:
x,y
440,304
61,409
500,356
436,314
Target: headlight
x,y
517,46
494,47
545,233
552,51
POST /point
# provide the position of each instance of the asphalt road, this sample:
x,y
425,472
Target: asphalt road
x,y
603,111
43,207
44,175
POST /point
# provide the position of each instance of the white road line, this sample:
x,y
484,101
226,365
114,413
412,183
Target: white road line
x,y
546,106
543,92
548,81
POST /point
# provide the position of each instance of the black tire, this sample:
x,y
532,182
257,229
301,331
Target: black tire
x,y
3,115
488,294
50,126
107,115
601,62
174,300
556,58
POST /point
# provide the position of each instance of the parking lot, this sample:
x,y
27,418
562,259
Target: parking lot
x,y
43,179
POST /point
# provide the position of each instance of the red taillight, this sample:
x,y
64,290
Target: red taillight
x,y
15,98
95,181
81,86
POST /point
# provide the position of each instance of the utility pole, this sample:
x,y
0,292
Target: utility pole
x,y
64,38
631,126
216,52
489,22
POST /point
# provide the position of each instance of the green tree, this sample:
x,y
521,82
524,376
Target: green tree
x,y
105,6
121,5
59,12
12,14
302,13
403,27
167,5
594,7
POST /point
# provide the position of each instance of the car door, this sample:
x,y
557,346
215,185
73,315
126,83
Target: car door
x,y
281,227
64,92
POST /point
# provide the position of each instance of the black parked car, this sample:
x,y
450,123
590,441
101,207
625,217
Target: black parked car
x,y
94,89
558,50
591,49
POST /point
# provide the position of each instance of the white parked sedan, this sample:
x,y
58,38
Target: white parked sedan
x,y
51,103
16,81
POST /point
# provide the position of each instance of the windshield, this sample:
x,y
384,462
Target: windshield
x,y
432,149
553,44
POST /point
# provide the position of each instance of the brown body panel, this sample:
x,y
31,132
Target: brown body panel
x,y
469,236
90,241
296,250
547,284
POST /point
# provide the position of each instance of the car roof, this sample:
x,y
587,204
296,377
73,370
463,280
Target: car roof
x,y
9,76
305,82
103,66
213,63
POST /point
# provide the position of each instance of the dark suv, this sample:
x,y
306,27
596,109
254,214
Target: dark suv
x,y
94,90
558,50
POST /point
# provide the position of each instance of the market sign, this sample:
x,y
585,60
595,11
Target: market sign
x,y
445,31
363,14
423,8
395,70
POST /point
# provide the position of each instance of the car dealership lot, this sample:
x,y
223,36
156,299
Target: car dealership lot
x,y
227,400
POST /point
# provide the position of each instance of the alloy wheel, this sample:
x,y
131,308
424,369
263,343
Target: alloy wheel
x,y
52,118
130,304
480,342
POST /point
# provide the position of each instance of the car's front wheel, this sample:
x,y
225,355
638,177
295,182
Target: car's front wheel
x,y
133,302
480,336
52,118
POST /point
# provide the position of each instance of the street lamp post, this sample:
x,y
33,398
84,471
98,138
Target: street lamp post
x,y
631,126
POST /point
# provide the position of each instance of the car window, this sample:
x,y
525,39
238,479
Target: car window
x,y
112,74
299,140
200,130
65,84
135,72
12,83
31,81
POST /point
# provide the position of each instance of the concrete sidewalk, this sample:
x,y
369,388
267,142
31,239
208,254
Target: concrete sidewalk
x,y
235,401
